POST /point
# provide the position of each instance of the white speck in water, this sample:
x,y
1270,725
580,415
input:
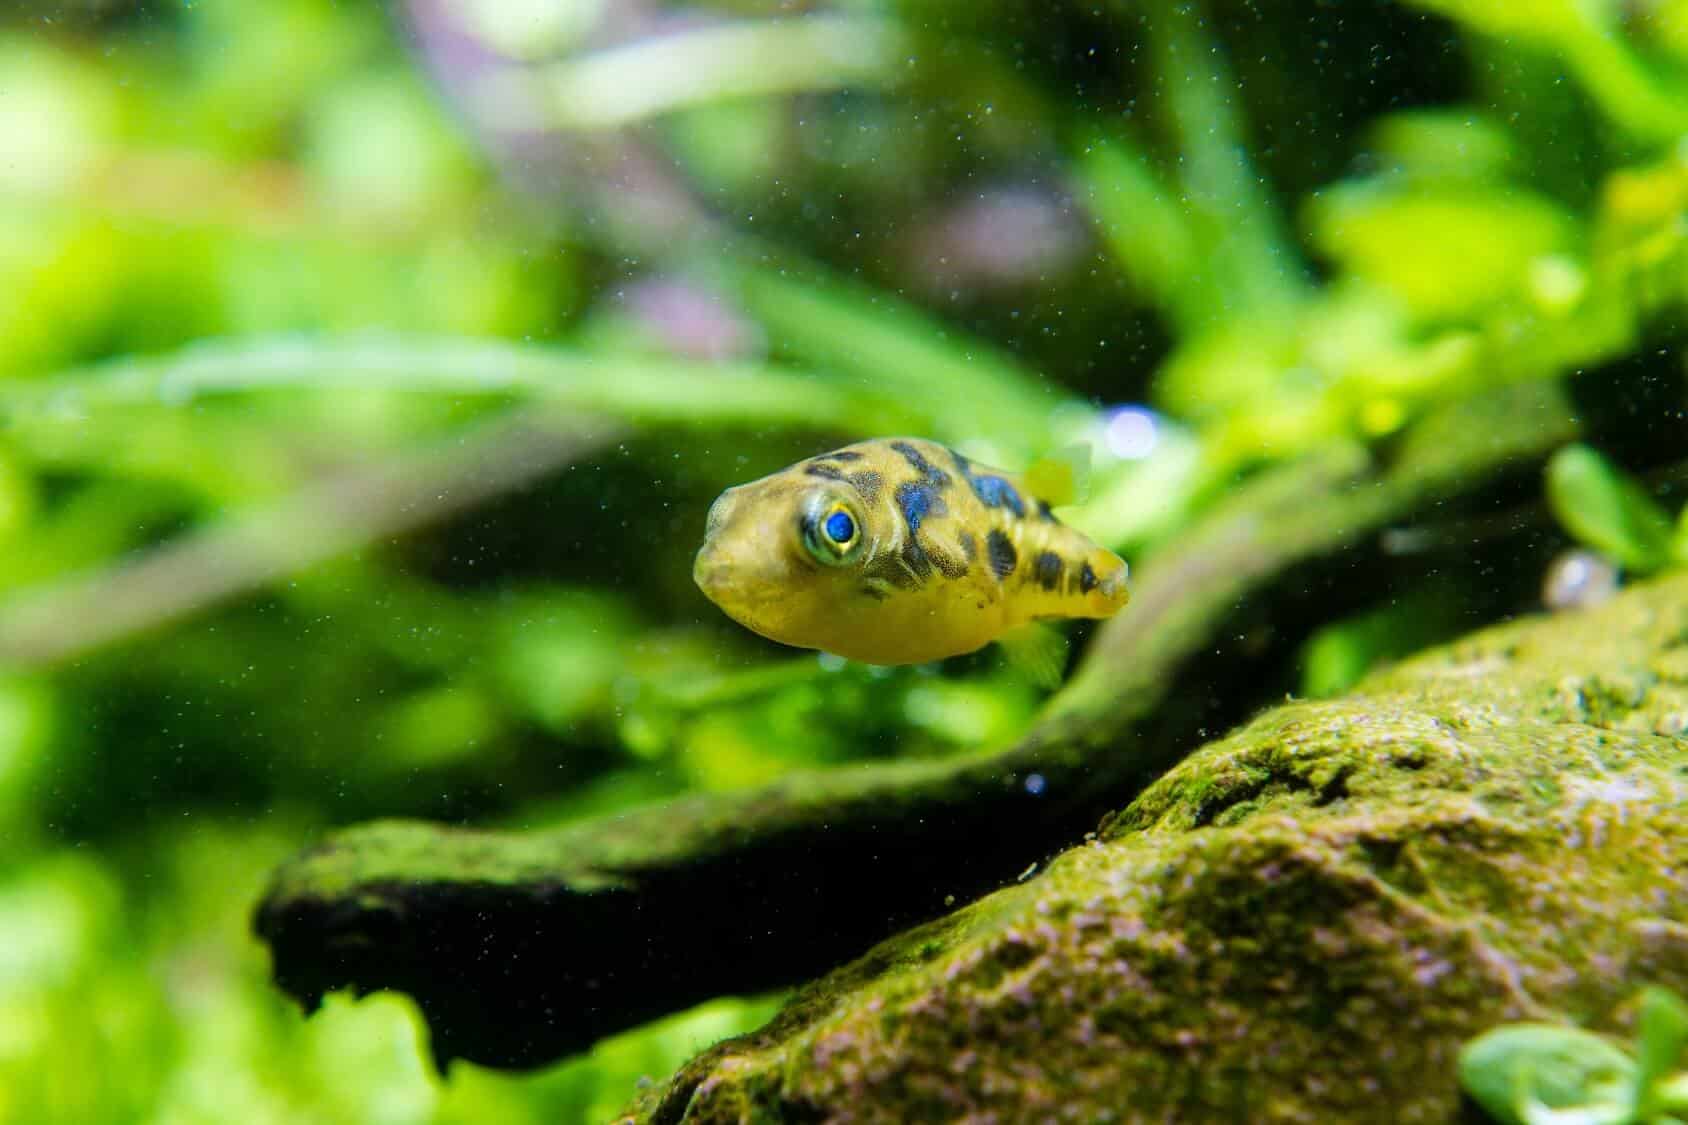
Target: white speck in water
x,y
1132,432
1577,579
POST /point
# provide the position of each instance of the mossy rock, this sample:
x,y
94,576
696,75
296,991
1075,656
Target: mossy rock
x,y
1301,922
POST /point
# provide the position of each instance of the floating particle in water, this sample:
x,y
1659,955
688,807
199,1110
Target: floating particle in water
x,y
1034,783
1578,579
1132,432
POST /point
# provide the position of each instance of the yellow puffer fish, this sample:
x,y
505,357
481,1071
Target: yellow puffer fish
x,y
898,551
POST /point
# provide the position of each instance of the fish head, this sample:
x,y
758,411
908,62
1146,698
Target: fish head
x,y
783,556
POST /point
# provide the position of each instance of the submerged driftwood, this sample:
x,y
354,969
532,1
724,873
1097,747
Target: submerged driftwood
x,y
1301,922
521,947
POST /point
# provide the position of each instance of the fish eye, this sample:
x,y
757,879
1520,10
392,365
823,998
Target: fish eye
x,y
839,527
832,535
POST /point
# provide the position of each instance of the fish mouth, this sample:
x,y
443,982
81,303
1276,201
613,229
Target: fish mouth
x,y
711,575
737,593
724,583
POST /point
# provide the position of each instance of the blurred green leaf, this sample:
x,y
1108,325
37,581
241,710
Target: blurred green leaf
x,y
1446,253
970,392
732,145
1241,237
1531,1074
1338,655
1141,221
29,731
559,653
56,112
1444,146
639,389
973,714
1661,1035
375,146
1587,36
1604,508
718,62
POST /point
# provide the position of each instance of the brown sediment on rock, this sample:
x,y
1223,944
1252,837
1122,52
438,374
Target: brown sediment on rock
x,y
1303,921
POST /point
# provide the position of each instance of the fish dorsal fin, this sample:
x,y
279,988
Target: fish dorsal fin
x,y
1062,477
1037,651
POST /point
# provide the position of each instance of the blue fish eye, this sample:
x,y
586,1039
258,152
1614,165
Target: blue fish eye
x,y
840,528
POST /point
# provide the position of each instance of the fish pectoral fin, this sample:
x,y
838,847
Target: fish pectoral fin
x,y
1037,651
1062,477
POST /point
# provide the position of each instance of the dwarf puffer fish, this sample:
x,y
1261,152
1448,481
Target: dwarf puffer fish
x,y
898,551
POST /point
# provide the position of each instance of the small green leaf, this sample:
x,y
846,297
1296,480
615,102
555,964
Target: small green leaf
x,y
1523,1074
1447,251
1671,1096
1662,1035
1339,654
1607,510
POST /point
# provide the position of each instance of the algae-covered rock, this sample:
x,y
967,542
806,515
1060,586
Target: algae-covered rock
x,y
1301,922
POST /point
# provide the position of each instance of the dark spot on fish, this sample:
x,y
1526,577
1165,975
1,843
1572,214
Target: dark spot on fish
x,y
930,474
825,472
1086,578
914,500
1048,569
840,455
948,566
889,568
969,545
1044,513
867,484
915,559
1004,558
994,492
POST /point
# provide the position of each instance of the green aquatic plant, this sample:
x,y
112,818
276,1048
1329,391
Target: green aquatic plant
x,y
1603,507
1552,1074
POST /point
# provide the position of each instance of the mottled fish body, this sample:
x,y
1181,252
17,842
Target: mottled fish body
x,y
898,551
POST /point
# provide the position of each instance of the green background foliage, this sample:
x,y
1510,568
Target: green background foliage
x,y
1526,1073
365,373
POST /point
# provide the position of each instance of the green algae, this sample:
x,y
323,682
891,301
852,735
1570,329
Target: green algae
x,y
1303,921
